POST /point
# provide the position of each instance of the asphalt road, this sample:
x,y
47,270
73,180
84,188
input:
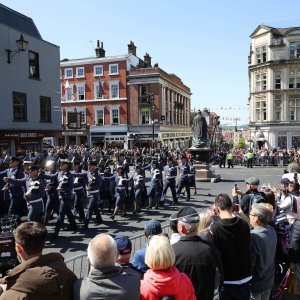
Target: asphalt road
x,y
69,244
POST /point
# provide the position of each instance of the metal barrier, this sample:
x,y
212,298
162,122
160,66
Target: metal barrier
x,y
79,263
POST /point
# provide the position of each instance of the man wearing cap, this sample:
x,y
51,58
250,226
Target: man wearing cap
x,y
93,193
124,247
251,196
35,193
169,182
17,203
195,257
65,191
152,227
79,189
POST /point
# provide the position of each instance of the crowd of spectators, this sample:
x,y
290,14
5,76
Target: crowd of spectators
x,y
230,251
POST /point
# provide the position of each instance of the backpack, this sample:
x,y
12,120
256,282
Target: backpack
x,y
256,198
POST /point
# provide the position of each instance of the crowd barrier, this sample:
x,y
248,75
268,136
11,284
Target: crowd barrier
x,y
79,263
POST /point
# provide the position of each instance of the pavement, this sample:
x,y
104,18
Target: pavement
x,y
69,244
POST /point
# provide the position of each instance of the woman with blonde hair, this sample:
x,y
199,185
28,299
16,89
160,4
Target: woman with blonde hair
x,y
163,279
204,223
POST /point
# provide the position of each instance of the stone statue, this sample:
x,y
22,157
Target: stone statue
x,y
199,131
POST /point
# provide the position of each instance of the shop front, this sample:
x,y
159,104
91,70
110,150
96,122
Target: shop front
x,y
74,138
14,141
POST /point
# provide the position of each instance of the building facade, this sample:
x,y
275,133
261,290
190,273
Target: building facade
x,y
274,81
29,85
122,101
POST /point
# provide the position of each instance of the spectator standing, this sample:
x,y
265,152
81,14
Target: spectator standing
x,y
105,280
38,276
163,279
195,257
251,196
152,227
231,236
263,248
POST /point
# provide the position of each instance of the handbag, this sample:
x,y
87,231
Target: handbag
x,y
293,287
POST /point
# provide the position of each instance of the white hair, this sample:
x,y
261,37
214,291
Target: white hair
x,y
191,228
102,251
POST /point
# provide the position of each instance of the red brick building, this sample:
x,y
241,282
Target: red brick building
x,y
119,100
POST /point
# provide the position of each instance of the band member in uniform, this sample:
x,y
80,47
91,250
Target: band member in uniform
x,y
183,182
169,182
155,189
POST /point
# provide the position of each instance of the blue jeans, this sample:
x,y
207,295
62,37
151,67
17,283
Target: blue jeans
x,y
235,292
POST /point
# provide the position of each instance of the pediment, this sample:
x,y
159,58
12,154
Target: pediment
x,y
261,29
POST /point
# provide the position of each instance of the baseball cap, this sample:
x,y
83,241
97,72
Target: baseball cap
x,y
124,245
285,181
186,214
64,161
14,158
152,227
34,168
93,163
252,180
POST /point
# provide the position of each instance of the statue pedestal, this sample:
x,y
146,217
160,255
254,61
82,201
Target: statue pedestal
x,y
201,164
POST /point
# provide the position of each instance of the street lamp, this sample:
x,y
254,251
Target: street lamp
x,y
22,46
151,102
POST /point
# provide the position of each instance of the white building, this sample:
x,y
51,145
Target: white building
x,y
29,84
274,82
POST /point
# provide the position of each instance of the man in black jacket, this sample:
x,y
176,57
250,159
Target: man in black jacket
x,y
195,257
231,236
250,197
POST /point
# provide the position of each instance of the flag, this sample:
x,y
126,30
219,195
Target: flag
x,y
101,88
65,89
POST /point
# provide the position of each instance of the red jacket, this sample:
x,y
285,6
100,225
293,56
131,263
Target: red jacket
x,y
171,282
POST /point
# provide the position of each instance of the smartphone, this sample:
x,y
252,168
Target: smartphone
x,y
235,207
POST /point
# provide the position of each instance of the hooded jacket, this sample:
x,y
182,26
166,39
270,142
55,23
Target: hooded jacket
x,y
43,277
171,282
231,236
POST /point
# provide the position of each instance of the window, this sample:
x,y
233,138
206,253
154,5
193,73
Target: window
x,y
82,112
34,71
19,106
145,115
80,72
278,80
292,80
115,116
45,109
261,82
261,54
260,110
98,70
295,50
69,73
294,107
114,89
80,92
99,90
278,108
113,69
99,116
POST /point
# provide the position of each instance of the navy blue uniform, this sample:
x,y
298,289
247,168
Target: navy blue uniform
x,y
79,189
93,195
183,182
169,182
16,192
52,203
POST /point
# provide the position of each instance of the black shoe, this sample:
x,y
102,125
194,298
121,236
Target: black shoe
x,y
134,212
55,235
124,215
139,210
112,217
149,207
98,221
86,226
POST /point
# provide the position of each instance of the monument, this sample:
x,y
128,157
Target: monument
x,y
201,150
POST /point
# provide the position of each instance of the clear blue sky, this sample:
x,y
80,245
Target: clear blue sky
x,y
206,43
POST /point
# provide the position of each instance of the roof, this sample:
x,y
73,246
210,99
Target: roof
x,y
18,21
278,31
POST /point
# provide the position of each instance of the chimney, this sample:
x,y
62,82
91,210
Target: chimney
x,y
132,48
147,60
100,52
